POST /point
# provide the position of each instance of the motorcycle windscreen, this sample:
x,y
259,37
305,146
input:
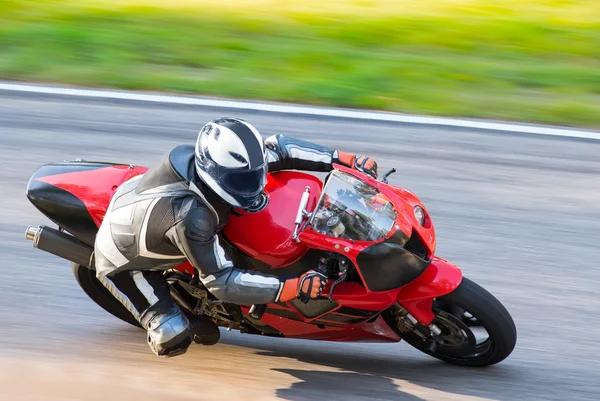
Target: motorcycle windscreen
x,y
350,208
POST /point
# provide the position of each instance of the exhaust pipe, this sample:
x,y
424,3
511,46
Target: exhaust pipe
x,y
60,244
31,232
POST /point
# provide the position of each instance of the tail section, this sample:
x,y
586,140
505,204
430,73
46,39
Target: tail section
x,y
75,195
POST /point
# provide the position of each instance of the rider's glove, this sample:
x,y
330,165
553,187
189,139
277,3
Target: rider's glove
x,y
360,163
309,285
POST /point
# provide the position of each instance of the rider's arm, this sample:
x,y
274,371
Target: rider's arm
x,y
285,153
195,235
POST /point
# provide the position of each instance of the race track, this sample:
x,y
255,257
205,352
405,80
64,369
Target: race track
x,y
519,214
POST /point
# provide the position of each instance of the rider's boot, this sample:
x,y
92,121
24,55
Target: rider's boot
x,y
206,332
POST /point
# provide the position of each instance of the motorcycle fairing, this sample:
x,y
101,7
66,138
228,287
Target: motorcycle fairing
x,y
283,322
393,263
74,195
440,278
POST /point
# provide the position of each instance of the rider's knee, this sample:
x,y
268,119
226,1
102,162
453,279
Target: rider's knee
x,y
169,334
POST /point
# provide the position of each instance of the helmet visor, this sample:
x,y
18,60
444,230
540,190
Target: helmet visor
x,y
246,183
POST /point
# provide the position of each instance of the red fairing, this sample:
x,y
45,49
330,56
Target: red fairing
x,y
354,295
94,188
404,202
440,278
267,235
376,331
405,210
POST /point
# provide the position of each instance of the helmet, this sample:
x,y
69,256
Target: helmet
x,y
231,159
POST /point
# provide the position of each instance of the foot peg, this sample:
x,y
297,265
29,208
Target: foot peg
x,y
257,311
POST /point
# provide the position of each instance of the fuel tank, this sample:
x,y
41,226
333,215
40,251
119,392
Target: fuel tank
x,y
267,235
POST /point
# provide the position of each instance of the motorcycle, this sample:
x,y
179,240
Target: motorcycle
x,y
375,242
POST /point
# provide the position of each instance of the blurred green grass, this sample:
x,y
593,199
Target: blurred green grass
x,y
526,60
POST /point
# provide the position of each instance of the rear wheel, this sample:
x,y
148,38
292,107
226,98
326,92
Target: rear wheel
x,y
100,295
476,329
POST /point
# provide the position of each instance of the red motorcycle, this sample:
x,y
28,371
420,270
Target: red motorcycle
x,y
375,242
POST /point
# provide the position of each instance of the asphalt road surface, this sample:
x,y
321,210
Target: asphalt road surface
x,y
519,214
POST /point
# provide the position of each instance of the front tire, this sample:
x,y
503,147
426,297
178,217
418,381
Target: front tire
x,y
458,314
100,295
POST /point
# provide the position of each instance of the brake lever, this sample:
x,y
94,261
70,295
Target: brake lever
x,y
344,265
335,283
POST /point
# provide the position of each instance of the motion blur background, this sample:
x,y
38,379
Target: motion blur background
x,y
520,214
532,60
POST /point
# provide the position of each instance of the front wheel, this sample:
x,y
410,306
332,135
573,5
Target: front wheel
x,y
477,330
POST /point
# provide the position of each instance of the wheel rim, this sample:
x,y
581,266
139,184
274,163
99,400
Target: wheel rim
x,y
463,336
460,339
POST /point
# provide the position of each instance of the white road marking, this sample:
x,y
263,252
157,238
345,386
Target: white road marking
x,y
303,110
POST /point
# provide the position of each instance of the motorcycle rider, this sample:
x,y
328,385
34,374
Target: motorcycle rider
x,y
175,211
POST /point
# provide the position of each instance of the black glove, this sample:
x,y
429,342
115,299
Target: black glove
x,y
366,165
360,163
307,286
311,285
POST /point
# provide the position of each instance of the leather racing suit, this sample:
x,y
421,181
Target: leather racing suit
x,y
166,216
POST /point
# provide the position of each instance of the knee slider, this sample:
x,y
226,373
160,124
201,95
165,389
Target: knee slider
x,y
174,347
169,334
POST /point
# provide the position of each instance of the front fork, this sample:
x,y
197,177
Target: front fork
x,y
414,305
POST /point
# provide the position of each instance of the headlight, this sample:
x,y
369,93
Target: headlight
x,y
420,215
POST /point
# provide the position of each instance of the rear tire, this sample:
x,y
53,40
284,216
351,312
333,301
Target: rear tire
x,y
489,313
100,295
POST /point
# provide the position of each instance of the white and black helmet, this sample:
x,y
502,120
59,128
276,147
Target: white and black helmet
x,y
231,159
